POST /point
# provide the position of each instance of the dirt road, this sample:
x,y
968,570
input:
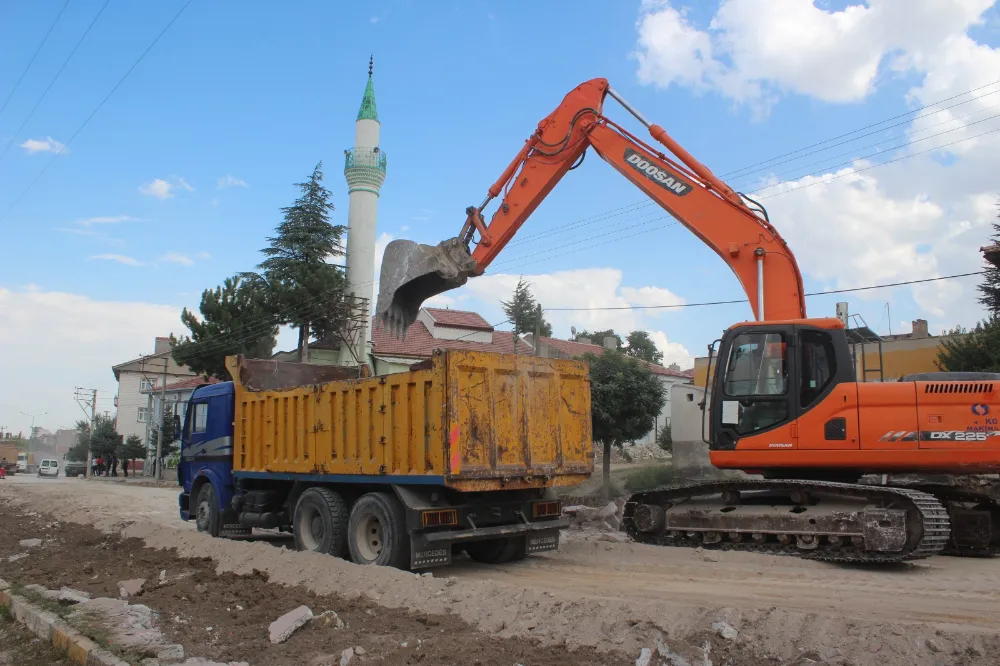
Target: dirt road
x,y
620,596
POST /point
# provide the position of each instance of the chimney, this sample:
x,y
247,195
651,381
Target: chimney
x,y
610,342
919,329
674,367
585,341
161,345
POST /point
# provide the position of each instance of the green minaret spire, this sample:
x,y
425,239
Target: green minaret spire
x,y
368,110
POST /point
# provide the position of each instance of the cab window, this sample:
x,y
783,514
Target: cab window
x,y
818,366
200,421
757,365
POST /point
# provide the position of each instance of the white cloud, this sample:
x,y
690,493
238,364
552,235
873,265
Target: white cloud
x,y
91,336
164,189
114,219
752,51
117,258
46,145
582,288
159,188
177,258
231,181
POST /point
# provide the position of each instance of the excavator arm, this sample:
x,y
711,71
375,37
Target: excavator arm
x,y
733,225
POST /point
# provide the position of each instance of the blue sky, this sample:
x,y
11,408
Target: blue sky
x,y
178,179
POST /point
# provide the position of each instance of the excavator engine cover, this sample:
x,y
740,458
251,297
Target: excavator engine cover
x,y
412,273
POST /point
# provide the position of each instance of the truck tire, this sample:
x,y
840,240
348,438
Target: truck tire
x,y
377,533
495,551
207,511
320,522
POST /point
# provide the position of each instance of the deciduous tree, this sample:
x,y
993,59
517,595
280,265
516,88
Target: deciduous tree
x,y
626,398
640,345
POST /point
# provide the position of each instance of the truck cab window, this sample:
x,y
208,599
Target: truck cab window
x,y
200,418
818,366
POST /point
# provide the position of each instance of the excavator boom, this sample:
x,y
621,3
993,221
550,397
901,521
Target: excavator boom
x,y
736,230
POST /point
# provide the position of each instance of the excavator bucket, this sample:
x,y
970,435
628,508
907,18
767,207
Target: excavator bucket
x,y
412,273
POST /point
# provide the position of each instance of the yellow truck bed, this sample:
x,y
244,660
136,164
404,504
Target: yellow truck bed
x,y
471,421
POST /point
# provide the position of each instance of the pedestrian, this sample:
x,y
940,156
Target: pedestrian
x,y
114,466
125,467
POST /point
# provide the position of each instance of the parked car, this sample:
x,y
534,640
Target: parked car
x,y
48,467
74,468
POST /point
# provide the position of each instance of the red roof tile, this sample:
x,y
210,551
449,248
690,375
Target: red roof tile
x,y
458,319
420,343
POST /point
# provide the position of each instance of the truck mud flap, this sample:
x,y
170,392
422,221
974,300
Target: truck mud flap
x,y
432,549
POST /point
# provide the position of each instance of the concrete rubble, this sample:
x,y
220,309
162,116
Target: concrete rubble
x,y
347,656
606,518
130,588
329,617
30,543
286,625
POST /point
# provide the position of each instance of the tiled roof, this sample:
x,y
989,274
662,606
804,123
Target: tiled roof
x,y
185,384
458,319
420,344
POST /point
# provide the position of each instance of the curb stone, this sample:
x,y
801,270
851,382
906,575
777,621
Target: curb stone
x,y
47,626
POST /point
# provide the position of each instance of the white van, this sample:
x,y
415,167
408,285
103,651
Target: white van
x,y
22,463
48,467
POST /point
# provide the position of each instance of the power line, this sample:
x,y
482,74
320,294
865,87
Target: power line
x,y
97,108
744,300
873,166
34,55
55,78
861,129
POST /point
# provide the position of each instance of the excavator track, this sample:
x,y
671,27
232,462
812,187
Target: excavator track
x,y
975,521
819,520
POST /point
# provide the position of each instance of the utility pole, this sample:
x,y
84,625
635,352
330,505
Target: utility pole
x,y
159,430
85,401
538,327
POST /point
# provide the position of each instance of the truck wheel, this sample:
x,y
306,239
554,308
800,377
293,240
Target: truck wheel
x,y
207,511
320,522
377,532
493,551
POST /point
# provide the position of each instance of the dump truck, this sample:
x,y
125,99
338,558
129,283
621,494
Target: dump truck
x,y
461,452
8,457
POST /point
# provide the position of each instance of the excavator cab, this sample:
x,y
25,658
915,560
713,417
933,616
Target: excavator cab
x,y
770,374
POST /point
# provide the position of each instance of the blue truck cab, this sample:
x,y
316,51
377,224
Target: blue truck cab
x,y
205,471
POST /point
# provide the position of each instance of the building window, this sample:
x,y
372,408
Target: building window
x,y
147,384
143,414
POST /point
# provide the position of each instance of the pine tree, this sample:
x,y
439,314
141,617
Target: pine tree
x,y
524,312
300,280
235,319
640,345
977,350
990,287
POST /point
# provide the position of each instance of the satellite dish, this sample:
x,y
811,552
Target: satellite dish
x,y
572,330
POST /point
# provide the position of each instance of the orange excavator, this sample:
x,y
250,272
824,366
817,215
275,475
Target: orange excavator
x,y
783,404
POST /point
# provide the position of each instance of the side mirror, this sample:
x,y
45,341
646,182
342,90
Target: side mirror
x,y
177,426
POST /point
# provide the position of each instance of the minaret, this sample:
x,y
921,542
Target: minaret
x,y
364,169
